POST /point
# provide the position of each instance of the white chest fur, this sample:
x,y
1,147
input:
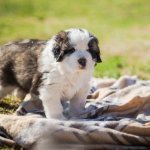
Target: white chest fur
x,y
67,85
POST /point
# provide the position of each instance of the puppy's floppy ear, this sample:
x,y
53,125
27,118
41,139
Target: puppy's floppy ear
x,y
94,49
61,44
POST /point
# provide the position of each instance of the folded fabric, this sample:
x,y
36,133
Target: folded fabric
x,y
117,116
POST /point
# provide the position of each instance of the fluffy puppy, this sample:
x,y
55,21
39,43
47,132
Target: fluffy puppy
x,y
56,70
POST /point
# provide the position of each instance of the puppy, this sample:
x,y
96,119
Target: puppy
x,y
56,70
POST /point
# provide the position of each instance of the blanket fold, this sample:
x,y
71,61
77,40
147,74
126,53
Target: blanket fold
x,y
117,115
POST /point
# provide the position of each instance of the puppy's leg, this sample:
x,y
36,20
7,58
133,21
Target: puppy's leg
x,y
77,103
50,97
19,93
4,90
33,96
1,92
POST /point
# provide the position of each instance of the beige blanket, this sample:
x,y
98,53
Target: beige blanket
x,y
117,116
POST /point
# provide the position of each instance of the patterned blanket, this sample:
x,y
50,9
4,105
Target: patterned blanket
x,y
117,116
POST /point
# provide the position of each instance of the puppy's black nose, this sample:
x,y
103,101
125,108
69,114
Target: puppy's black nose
x,y
82,62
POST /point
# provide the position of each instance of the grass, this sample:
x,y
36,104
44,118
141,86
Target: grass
x,y
121,26
9,104
114,70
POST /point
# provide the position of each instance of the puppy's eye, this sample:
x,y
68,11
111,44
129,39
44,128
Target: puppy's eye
x,y
69,51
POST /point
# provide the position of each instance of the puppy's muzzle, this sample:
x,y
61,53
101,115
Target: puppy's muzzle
x,y
82,62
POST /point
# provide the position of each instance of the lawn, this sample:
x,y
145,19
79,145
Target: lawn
x,y
122,26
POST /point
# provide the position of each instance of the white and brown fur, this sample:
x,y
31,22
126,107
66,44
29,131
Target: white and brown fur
x,y
56,70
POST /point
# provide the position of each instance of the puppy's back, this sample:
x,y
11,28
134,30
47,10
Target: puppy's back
x,y
18,62
23,45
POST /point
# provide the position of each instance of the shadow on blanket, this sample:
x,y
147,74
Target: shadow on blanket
x,y
117,116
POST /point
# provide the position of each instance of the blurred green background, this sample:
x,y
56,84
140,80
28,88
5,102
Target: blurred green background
x,y
122,26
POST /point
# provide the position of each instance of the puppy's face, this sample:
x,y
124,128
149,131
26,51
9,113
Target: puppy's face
x,y
76,49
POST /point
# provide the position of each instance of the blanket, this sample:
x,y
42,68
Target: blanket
x,y
117,116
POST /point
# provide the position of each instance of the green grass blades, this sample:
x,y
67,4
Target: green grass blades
x,y
111,67
122,27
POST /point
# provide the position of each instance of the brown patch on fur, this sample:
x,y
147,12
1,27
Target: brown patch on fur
x,y
36,83
62,39
18,63
62,47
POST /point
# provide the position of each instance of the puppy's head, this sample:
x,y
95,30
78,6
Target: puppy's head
x,y
76,49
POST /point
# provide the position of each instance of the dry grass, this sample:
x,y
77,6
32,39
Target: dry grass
x,y
9,104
